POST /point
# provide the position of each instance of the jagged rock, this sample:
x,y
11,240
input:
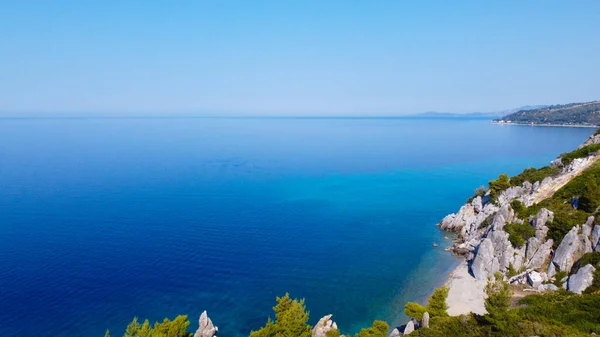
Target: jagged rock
x,y
518,258
540,256
323,326
395,333
503,249
425,320
477,204
539,222
534,279
594,139
410,327
583,279
206,328
571,248
484,265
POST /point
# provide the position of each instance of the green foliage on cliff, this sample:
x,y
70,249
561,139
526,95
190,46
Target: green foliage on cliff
x,y
333,333
379,329
497,305
585,151
291,320
519,233
567,114
175,328
590,196
532,175
413,309
592,258
499,185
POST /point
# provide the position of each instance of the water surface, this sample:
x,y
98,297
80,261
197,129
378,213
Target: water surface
x,y
106,219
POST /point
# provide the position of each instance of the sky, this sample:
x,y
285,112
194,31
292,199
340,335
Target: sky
x,y
295,58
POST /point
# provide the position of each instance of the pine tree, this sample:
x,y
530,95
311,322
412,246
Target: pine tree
x,y
590,197
437,306
497,304
132,329
291,320
379,329
107,333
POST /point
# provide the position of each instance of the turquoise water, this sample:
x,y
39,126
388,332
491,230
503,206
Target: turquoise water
x,y
106,219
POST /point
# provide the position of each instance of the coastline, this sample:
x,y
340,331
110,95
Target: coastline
x,y
466,294
551,125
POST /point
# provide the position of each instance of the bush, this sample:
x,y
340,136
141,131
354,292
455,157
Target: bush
x,y
412,309
379,329
499,185
585,151
590,196
519,233
532,175
497,304
480,191
175,328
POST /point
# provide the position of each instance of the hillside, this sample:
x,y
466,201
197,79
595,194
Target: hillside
x,y
587,113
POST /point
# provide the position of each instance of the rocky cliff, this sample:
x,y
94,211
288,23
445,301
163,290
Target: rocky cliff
x,y
484,241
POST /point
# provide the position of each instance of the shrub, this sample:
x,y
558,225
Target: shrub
x,y
497,304
499,185
590,196
412,309
175,328
519,233
585,151
480,191
333,333
379,329
532,175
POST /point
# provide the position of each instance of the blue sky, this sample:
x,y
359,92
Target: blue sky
x,y
296,57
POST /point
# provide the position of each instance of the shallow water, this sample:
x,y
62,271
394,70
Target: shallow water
x,y
106,219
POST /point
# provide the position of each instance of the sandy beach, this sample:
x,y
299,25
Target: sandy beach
x,y
466,294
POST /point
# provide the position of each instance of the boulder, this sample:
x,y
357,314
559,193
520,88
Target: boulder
x,y
206,327
477,204
540,256
534,279
395,333
410,327
547,287
571,248
323,326
425,320
577,283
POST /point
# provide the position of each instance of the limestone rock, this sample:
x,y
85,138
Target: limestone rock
x,y
547,287
534,279
577,283
571,248
484,265
206,328
395,333
323,326
410,327
425,320
540,256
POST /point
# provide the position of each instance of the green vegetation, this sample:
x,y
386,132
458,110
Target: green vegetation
x,y
499,185
532,175
590,197
436,307
585,151
567,114
379,329
497,304
291,320
175,328
518,233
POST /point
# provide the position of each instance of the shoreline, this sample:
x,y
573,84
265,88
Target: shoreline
x,y
550,125
466,294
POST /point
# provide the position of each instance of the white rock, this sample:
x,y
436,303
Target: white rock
x,y
206,327
425,320
534,279
323,326
410,327
583,279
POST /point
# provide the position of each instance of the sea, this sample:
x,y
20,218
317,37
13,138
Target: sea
x,y
105,219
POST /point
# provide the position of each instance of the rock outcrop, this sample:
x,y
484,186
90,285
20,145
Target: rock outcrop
x,y
425,320
324,325
410,327
395,333
582,279
571,248
206,327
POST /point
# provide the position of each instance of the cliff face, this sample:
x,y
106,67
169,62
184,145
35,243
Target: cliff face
x,y
485,242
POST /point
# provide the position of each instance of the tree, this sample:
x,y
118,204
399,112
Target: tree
x,y
333,333
437,306
107,333
500,184
132,329
291,320
379,329
590,197
412,309
497,304
175,328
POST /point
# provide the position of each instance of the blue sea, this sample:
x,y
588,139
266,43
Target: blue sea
x,y
104,219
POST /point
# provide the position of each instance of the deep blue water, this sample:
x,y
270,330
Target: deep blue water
x,y
105,219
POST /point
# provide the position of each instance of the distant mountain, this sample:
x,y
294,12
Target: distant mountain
x,y
587,113
490,115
